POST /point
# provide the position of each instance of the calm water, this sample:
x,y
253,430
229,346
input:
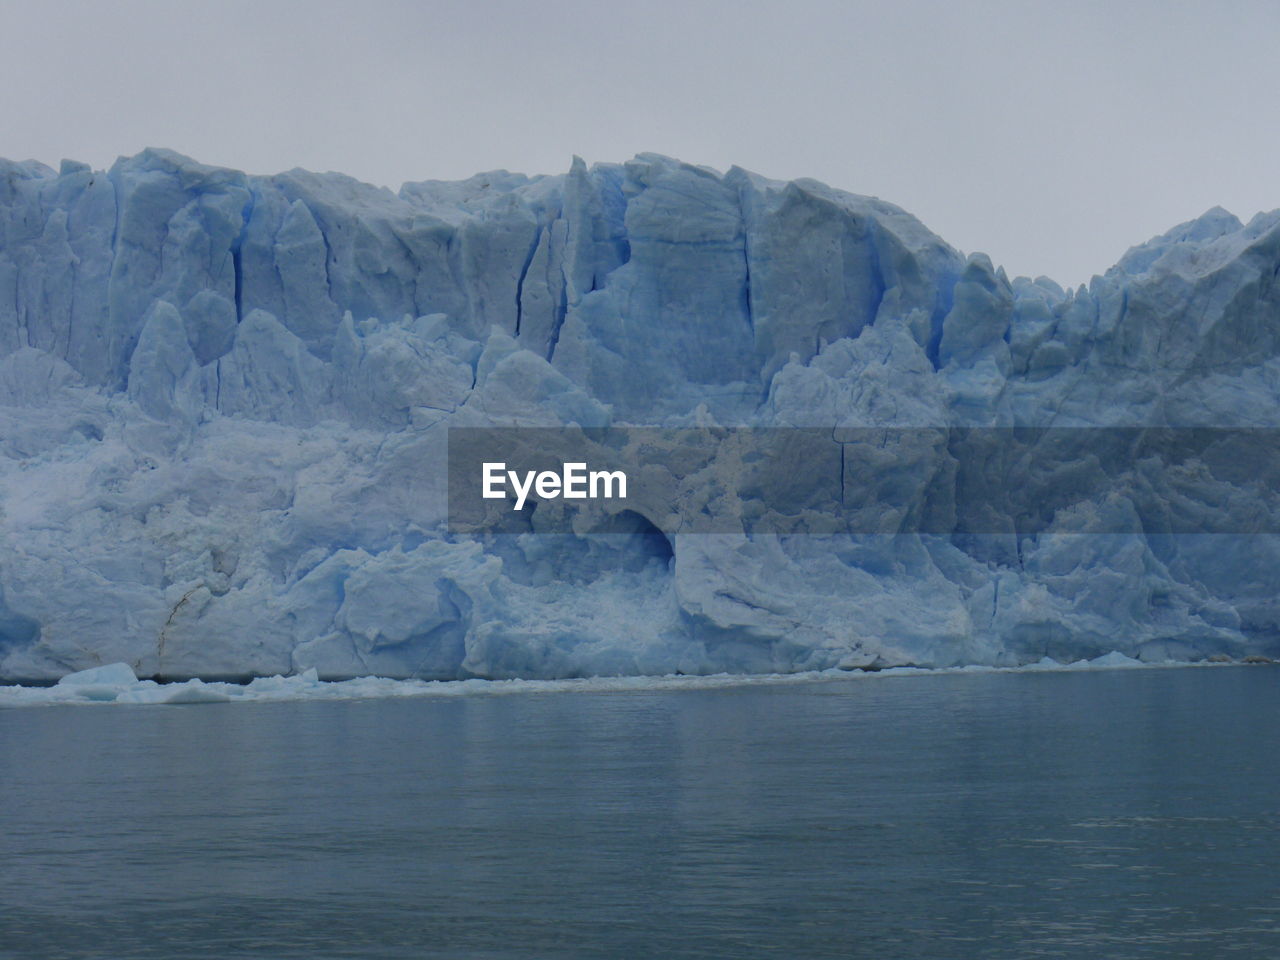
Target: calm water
x,y
1111,814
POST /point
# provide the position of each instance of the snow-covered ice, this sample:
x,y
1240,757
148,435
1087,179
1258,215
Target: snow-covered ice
x,y
224,402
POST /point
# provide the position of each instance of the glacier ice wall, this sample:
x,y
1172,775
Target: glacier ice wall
x,y
218,392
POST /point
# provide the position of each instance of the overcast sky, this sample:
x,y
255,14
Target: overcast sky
x,y
1051,135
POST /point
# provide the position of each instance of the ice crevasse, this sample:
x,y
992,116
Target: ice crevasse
x,y
224,403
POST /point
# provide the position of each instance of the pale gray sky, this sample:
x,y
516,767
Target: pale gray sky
x,y
1051,135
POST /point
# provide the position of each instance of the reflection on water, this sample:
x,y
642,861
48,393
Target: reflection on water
x,y
1103,814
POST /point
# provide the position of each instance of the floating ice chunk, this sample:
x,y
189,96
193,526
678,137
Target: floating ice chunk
x,y
1114,659
104,683
111,675
146,691
299,683
197,691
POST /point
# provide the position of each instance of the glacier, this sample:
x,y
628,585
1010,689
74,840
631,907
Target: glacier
x,y
225,401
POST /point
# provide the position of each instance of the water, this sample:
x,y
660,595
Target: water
x,y
1111,814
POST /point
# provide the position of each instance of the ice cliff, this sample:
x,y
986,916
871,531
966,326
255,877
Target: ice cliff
x,y
218,393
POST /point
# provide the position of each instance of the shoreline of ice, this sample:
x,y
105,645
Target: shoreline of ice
x,y
117,684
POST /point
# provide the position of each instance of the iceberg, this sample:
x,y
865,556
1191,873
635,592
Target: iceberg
x,y
225,403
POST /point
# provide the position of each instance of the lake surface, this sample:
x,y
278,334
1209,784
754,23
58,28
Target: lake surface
x,y
1100,814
